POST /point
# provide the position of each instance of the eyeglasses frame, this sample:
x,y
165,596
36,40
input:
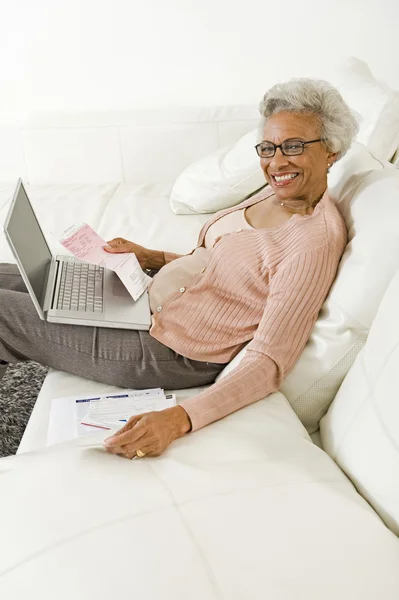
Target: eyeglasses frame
x,y
303,144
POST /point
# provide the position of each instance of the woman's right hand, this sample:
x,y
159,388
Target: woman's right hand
x,y
120,245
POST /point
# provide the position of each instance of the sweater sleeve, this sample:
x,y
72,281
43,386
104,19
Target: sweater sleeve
x,y
170,256
296,294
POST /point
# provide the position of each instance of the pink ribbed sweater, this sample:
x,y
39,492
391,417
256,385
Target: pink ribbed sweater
x,y
262,286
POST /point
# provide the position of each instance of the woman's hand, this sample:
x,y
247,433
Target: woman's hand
x,y
150,432
120,245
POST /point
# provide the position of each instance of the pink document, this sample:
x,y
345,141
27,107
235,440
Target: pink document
x,y
84,243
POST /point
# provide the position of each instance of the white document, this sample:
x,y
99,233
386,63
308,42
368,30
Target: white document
x,y
67,413
115,411
84,243
65,419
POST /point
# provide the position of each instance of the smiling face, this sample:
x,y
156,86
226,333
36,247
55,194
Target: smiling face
x,y
302,177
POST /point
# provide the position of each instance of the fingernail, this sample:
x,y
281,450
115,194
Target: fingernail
x,y
108,441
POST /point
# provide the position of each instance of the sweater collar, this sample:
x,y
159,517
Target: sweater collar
x,y
264,193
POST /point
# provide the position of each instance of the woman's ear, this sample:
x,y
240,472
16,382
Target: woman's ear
x,y
331,158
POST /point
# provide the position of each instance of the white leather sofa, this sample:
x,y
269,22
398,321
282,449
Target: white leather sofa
x,y
249,507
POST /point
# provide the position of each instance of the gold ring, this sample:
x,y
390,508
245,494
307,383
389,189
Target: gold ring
x,y
140,454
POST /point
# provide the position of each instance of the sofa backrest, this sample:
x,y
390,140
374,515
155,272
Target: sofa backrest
x,y
141,146
361,429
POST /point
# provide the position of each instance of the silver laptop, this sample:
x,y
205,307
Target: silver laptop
x,y
64,289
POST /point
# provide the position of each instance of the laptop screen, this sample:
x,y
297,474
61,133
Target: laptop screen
x,y
29,243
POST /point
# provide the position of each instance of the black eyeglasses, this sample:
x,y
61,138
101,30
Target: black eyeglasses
x,y
288,148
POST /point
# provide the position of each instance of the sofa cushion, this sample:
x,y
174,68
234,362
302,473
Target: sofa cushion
x,y
361,429
245,508
219,180
375,103
366,191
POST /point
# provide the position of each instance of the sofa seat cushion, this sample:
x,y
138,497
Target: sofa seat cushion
x,y
245,508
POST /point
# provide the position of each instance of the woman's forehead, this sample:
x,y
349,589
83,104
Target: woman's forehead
x,y
283,126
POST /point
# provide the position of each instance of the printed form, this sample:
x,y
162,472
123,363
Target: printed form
x,y
75,416
85,244
116,409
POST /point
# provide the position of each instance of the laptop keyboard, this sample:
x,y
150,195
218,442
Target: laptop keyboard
x,y
81,287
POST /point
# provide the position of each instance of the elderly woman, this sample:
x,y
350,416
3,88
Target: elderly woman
x,y
258,276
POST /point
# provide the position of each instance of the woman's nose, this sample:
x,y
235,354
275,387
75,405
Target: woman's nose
x,y
278,160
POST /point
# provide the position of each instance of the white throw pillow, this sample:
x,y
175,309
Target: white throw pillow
x,y
361,429
229,175
376,105
219,180
366,191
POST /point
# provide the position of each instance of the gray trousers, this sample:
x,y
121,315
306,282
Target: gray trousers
x,y
122,357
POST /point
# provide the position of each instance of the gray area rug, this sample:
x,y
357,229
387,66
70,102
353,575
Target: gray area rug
x,y
19,389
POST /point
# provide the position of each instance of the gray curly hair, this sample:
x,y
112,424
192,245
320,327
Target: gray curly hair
x,y
338,124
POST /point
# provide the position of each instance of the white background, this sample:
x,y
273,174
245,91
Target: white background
x,y
126,54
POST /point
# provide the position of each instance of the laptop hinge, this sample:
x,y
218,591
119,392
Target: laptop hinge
x,y
50,286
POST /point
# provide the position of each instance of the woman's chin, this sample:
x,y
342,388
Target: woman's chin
x,y
287,193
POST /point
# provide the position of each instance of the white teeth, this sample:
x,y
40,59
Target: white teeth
x,y
285,177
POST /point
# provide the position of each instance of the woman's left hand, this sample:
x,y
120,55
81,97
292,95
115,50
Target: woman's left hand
x,y
151,433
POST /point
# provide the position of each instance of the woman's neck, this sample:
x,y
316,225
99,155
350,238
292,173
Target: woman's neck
x,y
301,205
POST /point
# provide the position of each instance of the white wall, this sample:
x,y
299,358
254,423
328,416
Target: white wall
x,y
101,54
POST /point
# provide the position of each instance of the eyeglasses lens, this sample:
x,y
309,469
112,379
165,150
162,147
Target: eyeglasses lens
x,y
266,150
292,148
289,148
